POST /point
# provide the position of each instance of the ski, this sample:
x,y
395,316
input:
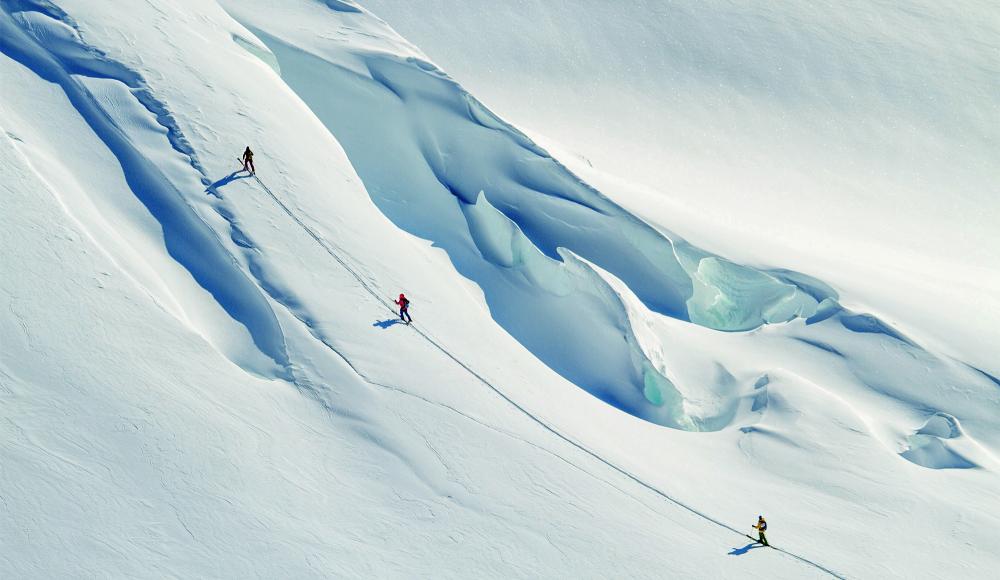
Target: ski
x,y
758,541
240,161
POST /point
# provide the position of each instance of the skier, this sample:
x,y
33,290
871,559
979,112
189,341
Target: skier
x,y
761,527
248,161
404,305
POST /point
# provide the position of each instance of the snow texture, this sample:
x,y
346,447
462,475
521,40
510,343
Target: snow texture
x,y
203,374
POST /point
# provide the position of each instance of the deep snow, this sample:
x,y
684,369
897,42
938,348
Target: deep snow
x,y
202,375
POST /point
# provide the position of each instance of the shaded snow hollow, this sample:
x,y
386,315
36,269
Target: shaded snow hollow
x,y
511,217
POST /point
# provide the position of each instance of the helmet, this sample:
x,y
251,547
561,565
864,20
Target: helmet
x,y
760,517
401,295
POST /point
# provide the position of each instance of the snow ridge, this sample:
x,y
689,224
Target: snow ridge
x,y
53,50
508,214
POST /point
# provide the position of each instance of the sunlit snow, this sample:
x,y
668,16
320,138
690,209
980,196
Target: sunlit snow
x,y
614,365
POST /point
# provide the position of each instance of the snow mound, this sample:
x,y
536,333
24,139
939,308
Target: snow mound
x,y
933,444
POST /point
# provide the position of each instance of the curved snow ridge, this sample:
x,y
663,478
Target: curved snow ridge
x,y
729,296
711,405
467,148
262,270
134,127
258,51
907,381
59,34
342,6
538,310
530,187
551,209
932,444
942,443
445,152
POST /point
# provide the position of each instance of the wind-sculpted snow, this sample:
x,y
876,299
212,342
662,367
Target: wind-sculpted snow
x,y
55,32
561,309
468,150
341,6
134,127
855,141
138,266
728,296
930,445
511,219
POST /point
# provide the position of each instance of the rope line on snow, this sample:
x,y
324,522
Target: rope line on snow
x,y
327,246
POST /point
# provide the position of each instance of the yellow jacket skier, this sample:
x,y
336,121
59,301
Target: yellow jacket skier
x,y
761,527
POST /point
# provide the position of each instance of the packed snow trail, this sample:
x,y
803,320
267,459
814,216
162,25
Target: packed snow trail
x,y
328,248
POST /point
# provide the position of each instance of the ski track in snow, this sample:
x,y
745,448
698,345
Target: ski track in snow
x,y
82,72
541,423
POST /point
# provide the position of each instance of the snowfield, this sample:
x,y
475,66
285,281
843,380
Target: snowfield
x,y
615,365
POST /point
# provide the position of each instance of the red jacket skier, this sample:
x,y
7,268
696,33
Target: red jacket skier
x,y
404,305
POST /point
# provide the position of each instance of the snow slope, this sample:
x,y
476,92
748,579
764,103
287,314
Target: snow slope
x,y
781,134
202,376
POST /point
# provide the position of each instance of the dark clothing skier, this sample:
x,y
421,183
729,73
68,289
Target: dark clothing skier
x,y
248,161
404,305
761,527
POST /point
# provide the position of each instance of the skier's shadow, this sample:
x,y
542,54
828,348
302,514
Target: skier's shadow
x,y
213,189
386,323
744,549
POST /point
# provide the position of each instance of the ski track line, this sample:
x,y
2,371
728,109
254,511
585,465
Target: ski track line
x,y
581,447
